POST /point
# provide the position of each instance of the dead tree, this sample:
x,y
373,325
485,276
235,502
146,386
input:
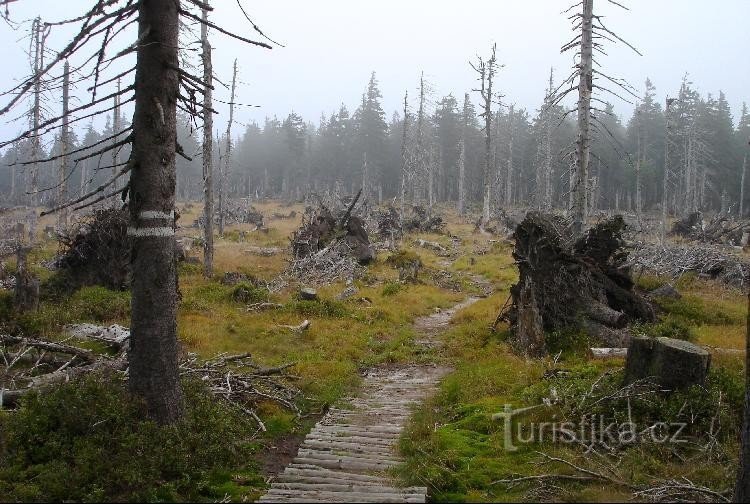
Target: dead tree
x,y
486,71
227,153
420,153
583,143
405,171
589,28
153,372
544,172
742,186
462,157
509,166
38,39
62,194
208,126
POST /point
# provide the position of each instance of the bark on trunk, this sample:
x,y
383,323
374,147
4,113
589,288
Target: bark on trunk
x,y
62,194
227,155
153,346
208,126
583,144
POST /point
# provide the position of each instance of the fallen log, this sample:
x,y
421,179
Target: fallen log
x,y
80,353
263,306
304,326
608,353
263,251
434,246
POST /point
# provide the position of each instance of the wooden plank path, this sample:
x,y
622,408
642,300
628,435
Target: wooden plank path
x,y
347,455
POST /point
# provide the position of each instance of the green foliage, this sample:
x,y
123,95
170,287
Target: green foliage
x,y
567,341
100,304
391,288
649,282
403,258
670,327
694,310
88,441
248,293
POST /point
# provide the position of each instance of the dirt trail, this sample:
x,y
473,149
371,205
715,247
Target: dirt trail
x,y
346,456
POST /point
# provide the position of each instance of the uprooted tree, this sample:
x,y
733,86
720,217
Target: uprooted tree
x,y
572,285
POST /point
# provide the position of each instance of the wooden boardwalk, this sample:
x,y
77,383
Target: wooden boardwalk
x,y
347,455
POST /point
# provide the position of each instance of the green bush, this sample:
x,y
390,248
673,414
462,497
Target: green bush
x,y
695,310
670,327
391,288
403,258
100,304
88,441
248,293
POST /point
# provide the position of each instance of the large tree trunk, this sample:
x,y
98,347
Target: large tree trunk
x,y
583,143
153,345
62,192
208,126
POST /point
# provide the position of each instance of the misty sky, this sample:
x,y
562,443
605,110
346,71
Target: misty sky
x,y
332,46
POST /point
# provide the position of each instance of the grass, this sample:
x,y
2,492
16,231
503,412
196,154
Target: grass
x,y
452,444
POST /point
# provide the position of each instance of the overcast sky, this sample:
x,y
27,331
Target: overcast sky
x,y
332,46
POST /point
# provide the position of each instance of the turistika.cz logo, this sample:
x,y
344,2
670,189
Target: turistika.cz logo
x,y
590,430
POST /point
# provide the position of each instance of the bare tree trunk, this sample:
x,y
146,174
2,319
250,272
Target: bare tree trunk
x,y
742,187
665,188
153,373
486,71
509,168
62,193
364,174
462,158
227,154
36,111
404,160
638,160
208,168
115,131
583,144
421,165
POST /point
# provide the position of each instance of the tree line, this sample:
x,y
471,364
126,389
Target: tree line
x,y
422,147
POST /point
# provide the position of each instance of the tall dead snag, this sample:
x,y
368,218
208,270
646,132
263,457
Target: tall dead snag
x,y
742,187
486,71
405,171
153,342
544,172
509,165
38,64
590,28
227,154
583,143
208,126
462,156
62,193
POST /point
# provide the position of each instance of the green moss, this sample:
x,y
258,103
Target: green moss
x,y
321,308
403,258
669,327
88,441
695,310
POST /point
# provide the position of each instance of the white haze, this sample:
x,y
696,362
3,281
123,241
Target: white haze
x,y
332,46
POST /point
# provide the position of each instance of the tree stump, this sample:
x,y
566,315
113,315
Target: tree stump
x,y
308,294
27,286
529,334
672,363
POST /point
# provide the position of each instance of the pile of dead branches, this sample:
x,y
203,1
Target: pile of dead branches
x,y
707,261
235,212
95,250
571,285
330,245
418,219
719,229
28,364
